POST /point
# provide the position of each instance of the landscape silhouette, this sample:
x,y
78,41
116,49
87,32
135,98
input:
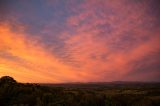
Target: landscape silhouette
x,y
13,93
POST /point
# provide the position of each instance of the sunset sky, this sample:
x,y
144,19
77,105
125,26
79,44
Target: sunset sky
x,y
54,41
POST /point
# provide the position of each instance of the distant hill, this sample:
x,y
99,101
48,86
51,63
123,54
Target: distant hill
x,y
118,84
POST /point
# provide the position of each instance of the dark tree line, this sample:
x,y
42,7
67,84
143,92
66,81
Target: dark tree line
x,y
13,93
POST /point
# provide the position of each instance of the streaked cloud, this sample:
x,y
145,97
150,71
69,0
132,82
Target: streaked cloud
x,y
70,41
26,60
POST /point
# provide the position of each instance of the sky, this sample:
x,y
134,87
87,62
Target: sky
x,y
59,41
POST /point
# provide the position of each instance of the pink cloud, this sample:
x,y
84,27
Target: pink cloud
x,y
106,42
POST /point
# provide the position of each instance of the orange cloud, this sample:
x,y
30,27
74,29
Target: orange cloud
x,y
27,61
89,41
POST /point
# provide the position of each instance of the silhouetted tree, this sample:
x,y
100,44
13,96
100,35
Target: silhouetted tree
x,y
7,79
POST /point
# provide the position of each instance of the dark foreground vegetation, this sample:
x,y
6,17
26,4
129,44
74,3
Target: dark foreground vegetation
x,y
91,94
